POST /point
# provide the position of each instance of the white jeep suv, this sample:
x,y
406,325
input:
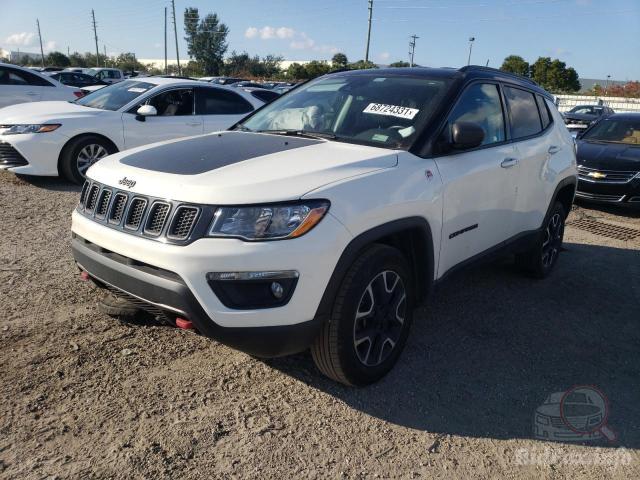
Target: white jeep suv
x,y
324,218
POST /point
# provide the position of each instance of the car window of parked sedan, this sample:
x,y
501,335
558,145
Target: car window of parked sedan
x,y
613,130
216,101
116,96
11,76
523,113
173,103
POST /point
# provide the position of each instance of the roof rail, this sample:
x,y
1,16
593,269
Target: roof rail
x,y
480,68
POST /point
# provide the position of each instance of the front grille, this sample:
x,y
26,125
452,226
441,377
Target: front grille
x,y
152,218
183,222
605,176
599,197
103,203
10,157
157,218
135,213
92,198
117,209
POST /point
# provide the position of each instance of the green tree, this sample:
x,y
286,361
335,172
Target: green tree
x,y
127,62
57,59
297,71
206,40
77,60
516,64
339,60
399,64
554,75
316,68
362,65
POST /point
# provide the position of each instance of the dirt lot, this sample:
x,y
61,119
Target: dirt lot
x,y
86,396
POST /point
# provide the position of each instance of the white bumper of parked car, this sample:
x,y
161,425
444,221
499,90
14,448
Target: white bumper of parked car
x,y
40,150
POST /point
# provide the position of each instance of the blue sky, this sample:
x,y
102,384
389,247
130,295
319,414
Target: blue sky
x,y
597,37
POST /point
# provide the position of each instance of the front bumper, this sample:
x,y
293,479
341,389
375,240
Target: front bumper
x,y
39,153
173,278
620,193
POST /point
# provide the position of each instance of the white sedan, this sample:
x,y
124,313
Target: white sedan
x,y
22,85
66,138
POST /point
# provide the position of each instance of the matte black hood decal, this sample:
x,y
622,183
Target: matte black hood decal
x,y
608,156
193,156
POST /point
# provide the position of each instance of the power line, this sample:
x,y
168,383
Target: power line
x,y
95,35
412,46
175,32
366,55
40,36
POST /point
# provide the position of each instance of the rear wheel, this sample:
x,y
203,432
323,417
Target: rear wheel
x,y
543,256
81,153
370,319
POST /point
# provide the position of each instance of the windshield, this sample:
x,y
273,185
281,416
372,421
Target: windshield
x,y
615,130
587,110
384,111
115,96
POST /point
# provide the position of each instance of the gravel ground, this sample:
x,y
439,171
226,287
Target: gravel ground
x,y
86,396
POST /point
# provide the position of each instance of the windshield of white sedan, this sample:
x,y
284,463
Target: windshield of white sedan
x,y
616,131
385,111
115,96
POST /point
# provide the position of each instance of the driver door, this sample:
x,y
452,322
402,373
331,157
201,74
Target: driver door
x,y
480,184
176,118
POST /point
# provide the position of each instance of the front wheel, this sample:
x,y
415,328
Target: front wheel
x,y
370,319
543,256
80,154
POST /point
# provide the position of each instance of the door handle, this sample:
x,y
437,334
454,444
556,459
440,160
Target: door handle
x,y
194,124
509,162
553,150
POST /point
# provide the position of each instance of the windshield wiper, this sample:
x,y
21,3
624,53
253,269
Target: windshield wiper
x,y
301,133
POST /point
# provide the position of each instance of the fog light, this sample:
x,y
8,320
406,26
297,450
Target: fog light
x,y
277,290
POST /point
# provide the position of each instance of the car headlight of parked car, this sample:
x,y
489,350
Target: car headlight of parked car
x,y
31,128
268,222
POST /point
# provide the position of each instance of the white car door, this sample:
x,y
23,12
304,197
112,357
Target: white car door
x,y
175,118
480,184
220,108
18,86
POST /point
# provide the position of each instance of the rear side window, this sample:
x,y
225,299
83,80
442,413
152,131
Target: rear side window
x,y
215,101
545,116
11,76
523,113
265,95
480,104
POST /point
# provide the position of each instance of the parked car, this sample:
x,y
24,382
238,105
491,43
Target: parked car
x,y
87,71
609,160
51,138
76,79
581,116
262,94
325,217
22,85
247,83
108,75
226,80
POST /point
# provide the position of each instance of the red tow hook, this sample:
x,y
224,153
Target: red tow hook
x,y
84,276
184,324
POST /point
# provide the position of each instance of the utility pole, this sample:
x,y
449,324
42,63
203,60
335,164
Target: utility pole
x,y
68,55
95,35
471,40
40,36
165,40
175,32
105,54
412,46
366,55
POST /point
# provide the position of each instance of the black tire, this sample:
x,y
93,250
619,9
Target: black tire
x,y
115,306
365,308
72,163
540,259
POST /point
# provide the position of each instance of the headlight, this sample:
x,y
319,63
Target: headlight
x,y
268,222
43,128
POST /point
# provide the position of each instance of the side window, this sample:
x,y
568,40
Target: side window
x,y
523,113
545,116
216,101
10,76
480,103
173,103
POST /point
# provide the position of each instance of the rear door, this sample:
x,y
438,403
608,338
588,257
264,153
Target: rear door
x,y
480,184
220,108
17,86
176,118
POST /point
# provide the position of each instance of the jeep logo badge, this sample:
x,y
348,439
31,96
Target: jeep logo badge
x,y
127,183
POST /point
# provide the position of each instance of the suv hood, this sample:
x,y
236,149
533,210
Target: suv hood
x,y
608,156
238,167
42,112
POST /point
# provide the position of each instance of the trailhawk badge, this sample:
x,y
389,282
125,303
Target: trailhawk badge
x,y
127,182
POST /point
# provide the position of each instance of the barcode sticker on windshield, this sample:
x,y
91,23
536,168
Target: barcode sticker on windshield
x,y
391,110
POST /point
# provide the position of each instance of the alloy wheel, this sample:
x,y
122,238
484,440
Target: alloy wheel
x,y
379,318
89,155
552,240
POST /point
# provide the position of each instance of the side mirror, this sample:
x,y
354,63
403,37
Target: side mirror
x,y
145,111
465,135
